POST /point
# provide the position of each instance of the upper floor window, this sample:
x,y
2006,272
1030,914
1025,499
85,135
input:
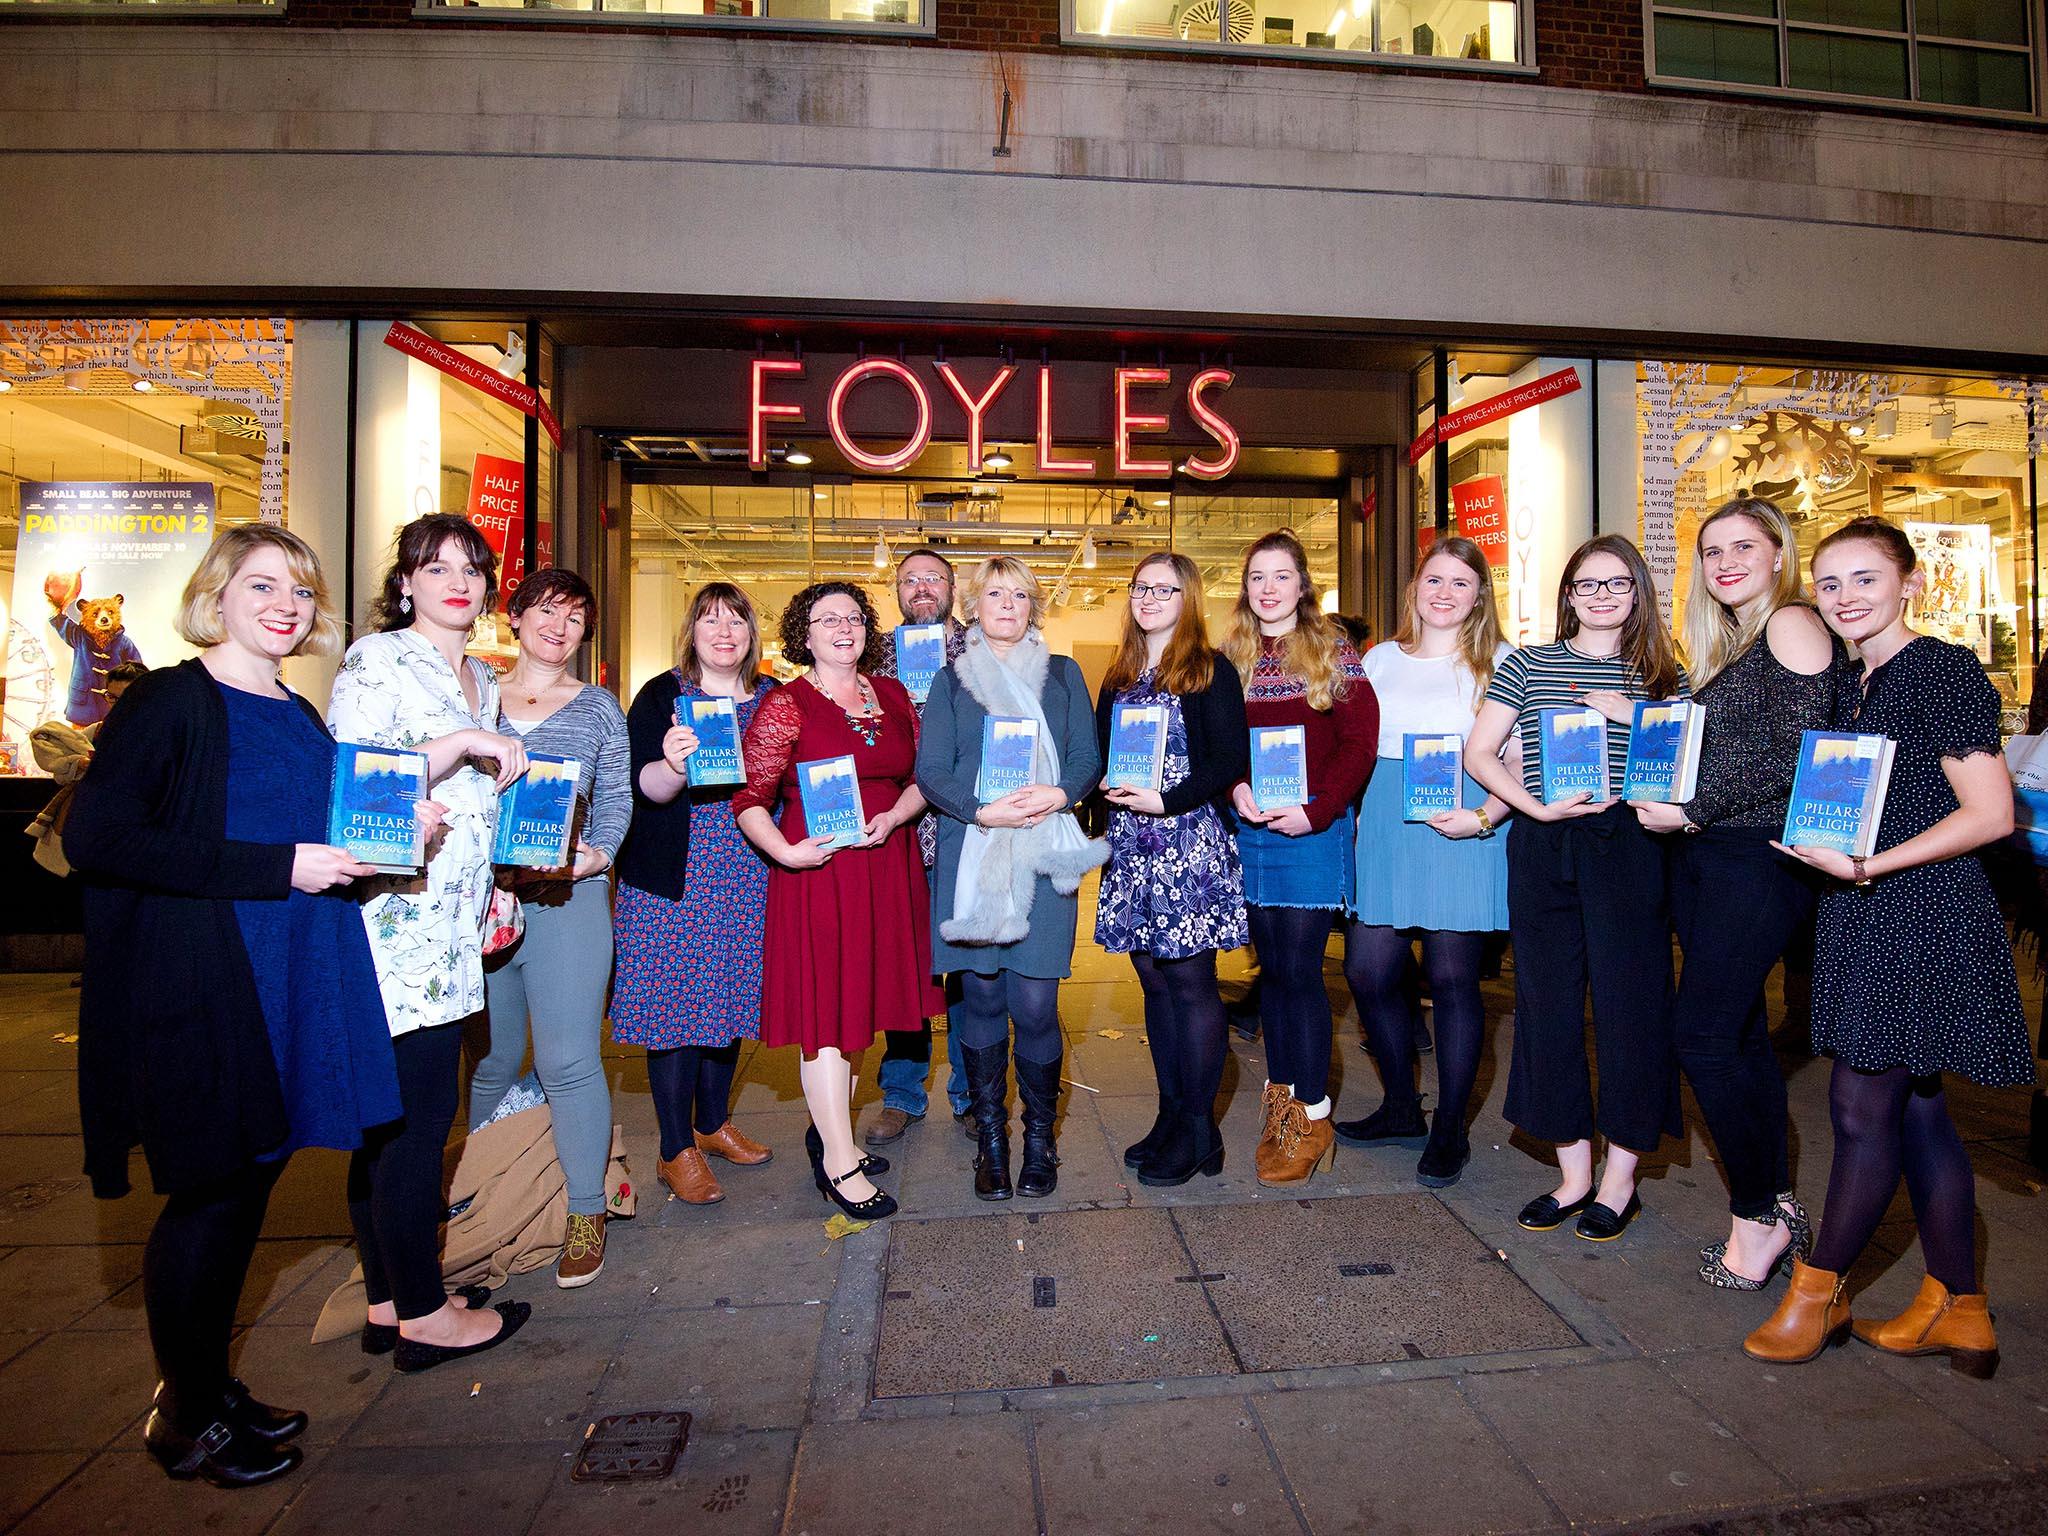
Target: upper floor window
x,y
821,15
1976,55
1472,32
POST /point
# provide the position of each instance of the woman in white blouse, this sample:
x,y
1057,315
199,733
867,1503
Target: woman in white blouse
x,y
410,685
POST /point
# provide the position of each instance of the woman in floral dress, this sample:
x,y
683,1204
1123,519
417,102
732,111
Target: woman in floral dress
x,y
1173,892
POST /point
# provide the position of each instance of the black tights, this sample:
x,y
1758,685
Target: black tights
x,y
192,1272
692,1087
1884,1121
396,1197
1185,1024
989,1005
1377,963
1294,1007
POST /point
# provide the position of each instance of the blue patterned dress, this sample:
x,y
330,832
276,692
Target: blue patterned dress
x,y
689,971
1173,886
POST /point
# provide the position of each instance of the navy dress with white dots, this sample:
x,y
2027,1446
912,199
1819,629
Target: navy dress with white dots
x,y
1916,971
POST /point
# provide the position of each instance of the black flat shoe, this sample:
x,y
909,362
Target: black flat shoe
x,y
273,1426
413,1355
382,1338
814,1144
225,1455
1600,1225
1400,1125
1544,1214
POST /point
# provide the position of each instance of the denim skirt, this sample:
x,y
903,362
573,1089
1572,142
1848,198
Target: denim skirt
x,y
1314,870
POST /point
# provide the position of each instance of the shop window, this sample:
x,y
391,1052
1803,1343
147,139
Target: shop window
x,y
140,7
826,15
1978,55
1468,32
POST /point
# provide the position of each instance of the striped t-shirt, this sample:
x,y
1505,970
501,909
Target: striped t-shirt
x,y
1557,677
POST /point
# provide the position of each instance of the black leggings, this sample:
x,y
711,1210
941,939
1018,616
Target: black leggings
x,y
1378,962
192,1272
1883,1121
692,1086
1184,1022
395,1195
989,1004
1294,1007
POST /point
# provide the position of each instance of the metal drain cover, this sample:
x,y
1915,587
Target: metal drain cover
x,y
632,1448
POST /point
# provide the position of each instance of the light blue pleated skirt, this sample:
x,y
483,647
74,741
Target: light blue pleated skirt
x,y
1409,876
1313,870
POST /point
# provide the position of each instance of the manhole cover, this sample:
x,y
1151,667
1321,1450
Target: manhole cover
x,y
631,1448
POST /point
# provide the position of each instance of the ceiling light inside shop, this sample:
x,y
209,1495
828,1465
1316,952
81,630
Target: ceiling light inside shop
x,y
881,552
996,459
1330,602
1337,20
1941,426
1457,389
142,386
1720,448
1885,422
515,355
795,457
1087,551
6,385
1857,429
1162,502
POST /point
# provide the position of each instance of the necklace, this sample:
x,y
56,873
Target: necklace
x,y
532,698
868,723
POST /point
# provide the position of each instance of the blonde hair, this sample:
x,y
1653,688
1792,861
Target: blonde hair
x,y
1188,664
198,620
1002,567
1310,650
1479,637
1715,635
720,594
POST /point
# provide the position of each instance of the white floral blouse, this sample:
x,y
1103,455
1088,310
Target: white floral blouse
x,y
396,690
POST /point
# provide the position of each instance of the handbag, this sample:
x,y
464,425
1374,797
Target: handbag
x,y
504,921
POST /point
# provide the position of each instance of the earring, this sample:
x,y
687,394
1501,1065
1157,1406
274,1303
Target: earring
x,y
1779,566
405,603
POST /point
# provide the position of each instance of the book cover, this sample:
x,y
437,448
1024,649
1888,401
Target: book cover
x,y
1838,792
1571,753
1432,770
920,653
1664,750
1279,766
717,759
1009,747
372,806
830,788
1137,747
537,814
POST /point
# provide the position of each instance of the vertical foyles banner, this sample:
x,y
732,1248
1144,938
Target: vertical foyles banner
x,y
497,506
98,573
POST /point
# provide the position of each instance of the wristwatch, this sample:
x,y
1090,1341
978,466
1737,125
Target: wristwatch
x,y
1485,821
1863,881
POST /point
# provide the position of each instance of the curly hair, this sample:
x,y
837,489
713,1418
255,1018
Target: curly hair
x,y
796,624
419,543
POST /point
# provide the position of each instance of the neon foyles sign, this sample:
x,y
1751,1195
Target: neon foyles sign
x,y
1131,415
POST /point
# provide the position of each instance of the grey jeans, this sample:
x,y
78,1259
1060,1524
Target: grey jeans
x,y
555,978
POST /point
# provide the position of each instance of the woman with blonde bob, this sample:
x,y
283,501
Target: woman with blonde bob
x,y
1173,892
1299,670
1762,666
1004,885
1442,881
229,1012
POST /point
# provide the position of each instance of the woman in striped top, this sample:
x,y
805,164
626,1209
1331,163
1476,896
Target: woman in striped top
x,y
1586,895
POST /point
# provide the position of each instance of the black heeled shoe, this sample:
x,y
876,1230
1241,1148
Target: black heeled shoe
x,y
382,1338
413,1355
273,1426
226,1455
874,1208
1136,1154
1193,1145
814,1144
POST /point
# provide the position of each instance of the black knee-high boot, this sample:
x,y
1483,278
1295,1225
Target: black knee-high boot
x,y
988,1093
1038,1085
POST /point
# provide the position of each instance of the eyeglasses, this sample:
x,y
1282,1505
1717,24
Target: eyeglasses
x,y
1142,590
1620,586
924,581
839,621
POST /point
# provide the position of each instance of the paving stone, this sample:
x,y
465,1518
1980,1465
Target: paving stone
x,y
75,1390
125,1493
303,1302
26,1476
17,1085
332,1383
1646,1286
47,1288
723,1485
1374,1459
487,1490
911,1476
538,1389
1618,1441
732,1368
1197,1465
649,1265
51,1109
2008,1412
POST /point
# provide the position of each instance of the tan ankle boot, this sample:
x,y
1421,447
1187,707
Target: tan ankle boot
x,y
690,1178
1273,1102
1940,1322
1299,1147
1813,1316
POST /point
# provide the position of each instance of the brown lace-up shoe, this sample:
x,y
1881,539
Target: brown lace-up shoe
x,y
1299,1147
1273,1101
689,1178
730,1143
582,1251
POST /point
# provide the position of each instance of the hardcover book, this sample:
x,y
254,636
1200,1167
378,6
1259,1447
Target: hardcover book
x,y
920,653
1571,753
537,814
1838,792
830,788
1279,766
373,805
717,759
1664,750
1137,747
1431,770
1009,746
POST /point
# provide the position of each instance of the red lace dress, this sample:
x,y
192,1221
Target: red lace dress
x,y
848,946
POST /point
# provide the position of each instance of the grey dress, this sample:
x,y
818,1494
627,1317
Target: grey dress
x,y
948,761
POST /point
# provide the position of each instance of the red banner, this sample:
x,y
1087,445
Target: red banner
x,y
497,506
1564,382
523,398
1481,508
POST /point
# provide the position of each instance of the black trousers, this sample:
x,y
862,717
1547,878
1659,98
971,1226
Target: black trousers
x,y
1587,906
193,1268
395,1196
1737,903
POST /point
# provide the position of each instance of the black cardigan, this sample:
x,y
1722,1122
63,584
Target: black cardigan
x,y
657,845
172,1048
1219,741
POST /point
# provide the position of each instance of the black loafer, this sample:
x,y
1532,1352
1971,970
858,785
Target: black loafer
x,y
223,1454
1600,1225
244,1414
1544,1214
412,1355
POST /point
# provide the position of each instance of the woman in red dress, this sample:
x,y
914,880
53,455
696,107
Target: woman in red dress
x,y
847,947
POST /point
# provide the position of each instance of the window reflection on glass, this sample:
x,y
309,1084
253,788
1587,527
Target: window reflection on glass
x,y
1476,30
